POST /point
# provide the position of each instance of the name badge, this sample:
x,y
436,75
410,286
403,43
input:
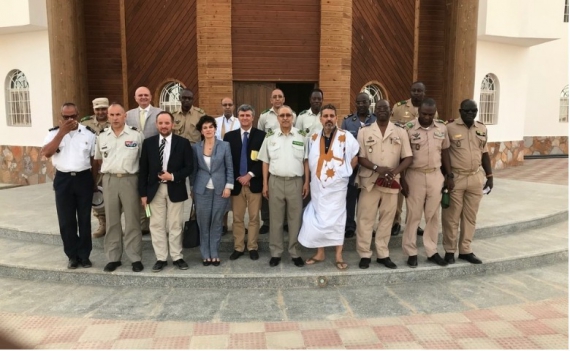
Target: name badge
x,y
131,143
298,143
254,155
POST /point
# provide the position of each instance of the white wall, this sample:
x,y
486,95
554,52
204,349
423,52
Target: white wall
x,y
28,52
22,15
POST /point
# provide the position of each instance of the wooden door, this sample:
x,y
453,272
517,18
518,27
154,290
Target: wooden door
x,y
256,94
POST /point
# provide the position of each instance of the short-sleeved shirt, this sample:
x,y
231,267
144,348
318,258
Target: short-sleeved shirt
x,y
382,150
185,124
309,122
427,144
285,153
120,154
404,112
467,144
75,150
268,121
92,123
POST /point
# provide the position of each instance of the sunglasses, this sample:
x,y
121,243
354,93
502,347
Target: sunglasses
x,y
68,117
283,115
473,110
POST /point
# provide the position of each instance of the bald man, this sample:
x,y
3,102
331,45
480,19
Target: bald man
x,y
144,116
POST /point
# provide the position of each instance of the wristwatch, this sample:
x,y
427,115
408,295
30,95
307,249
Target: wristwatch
x,y
450,175
374,168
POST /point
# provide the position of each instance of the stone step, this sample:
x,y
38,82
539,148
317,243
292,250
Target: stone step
x,y
530,248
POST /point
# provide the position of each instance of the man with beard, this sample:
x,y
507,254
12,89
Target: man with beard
x,y
332,157
468,152
309,120
186,119
353,123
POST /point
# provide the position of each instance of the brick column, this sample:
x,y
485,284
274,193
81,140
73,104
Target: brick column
x,y
215,75
67,56
335,53
460,53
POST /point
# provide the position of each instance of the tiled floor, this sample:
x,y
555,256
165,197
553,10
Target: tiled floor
x,y
548,170
540,325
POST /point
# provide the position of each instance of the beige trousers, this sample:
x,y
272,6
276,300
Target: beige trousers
x,y
366,216
251,201
285,199
166,214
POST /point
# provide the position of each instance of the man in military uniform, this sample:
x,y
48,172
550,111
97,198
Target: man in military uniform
x,y
384,153
284,156
310,120
423,182
119,149
353,123
187,117
268,122
468,152
402,113
98,122
72,146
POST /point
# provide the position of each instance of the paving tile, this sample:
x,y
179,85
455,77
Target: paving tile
x,y
350,322
138,330
284,340
385,321
416,319
516,342
445,318
550,342
122,344
56,346
498,329
512,313
533,327
315,325
102,332
93,345
429,332
29,338
481,315
358,336
440,344
173,342
393,334
247,341
171,329
64,335
321,338
211,328
210,342
251,327
478,344
464,330
543,311
403,345
281,326
558,324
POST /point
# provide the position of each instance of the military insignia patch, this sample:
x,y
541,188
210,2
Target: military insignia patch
x,y
458,143
409,125
480,133
417,146
416,136
130,143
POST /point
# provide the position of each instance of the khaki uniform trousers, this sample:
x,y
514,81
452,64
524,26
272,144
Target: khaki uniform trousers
x,y
424,198
99,212
464,205
121,194
165,212
285,198
399,209
251,201
366,216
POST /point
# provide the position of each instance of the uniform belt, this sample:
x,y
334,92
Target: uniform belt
x,y
121,175
424,170
462,172
285,178
73,174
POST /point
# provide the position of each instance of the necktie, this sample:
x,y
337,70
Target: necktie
x,y
142,118
243,157
161,153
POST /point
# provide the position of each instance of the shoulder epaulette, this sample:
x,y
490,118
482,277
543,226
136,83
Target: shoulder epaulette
x,y
403,102
399,124
199,109
302,132
480,122
449,121
347,116
439,120
86,118
90,129
409,125
265,111
133,128
54,128
303,112
106,129
269,133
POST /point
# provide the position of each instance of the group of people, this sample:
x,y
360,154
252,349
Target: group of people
x,y
300,174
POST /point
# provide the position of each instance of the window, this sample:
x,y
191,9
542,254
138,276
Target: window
x,y
18,100
375,93
564,105
566,11
170,97
489,99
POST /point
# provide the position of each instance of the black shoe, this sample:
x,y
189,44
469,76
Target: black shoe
x,y
364,263
181,264
413,261
224,230
471,258
420,231
264,229
206,262
387,262
286,228
85,263
254,255
298,261
216,263
111,266
396,229
246,231
137,266
349,234
145,232
449,258
158,266
235,255
436,258
274,261
72,264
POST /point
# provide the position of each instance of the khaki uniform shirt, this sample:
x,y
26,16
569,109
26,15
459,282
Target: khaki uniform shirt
x,y
268,121
427,144
285,153
383,150
120,154
405,111
91,122
309,122
185,124
467,145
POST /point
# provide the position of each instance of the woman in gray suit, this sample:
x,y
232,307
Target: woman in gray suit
x,y
212,182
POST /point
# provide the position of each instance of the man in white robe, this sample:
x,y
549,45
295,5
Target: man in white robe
x,y
332,157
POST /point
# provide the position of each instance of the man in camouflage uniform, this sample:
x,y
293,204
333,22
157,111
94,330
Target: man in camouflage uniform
x,y
187,117
98,122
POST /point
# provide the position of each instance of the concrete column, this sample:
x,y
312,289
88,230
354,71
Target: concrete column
x,y
460,51
67,55
335,53
214,46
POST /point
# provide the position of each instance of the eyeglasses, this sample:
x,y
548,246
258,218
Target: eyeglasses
x,y
283,115
277,97
227,105
472,110
68,116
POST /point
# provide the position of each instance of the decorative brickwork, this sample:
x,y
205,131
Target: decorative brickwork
x,y
23,165
553,145
506,154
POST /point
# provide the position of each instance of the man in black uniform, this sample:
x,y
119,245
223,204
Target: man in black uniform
x,y
72,146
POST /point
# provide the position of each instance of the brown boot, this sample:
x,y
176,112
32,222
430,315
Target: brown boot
x,y
101,231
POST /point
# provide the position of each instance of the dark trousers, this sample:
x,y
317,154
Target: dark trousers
x,y
351,200
73,197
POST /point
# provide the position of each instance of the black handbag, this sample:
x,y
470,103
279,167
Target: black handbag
x,y
191,236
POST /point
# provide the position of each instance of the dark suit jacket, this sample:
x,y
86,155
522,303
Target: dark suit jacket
x,y
180,164
256,138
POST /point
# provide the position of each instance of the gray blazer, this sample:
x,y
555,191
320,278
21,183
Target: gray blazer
x,y
221,170
150,124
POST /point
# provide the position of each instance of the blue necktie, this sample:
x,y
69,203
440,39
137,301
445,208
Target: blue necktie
x,y
243,157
